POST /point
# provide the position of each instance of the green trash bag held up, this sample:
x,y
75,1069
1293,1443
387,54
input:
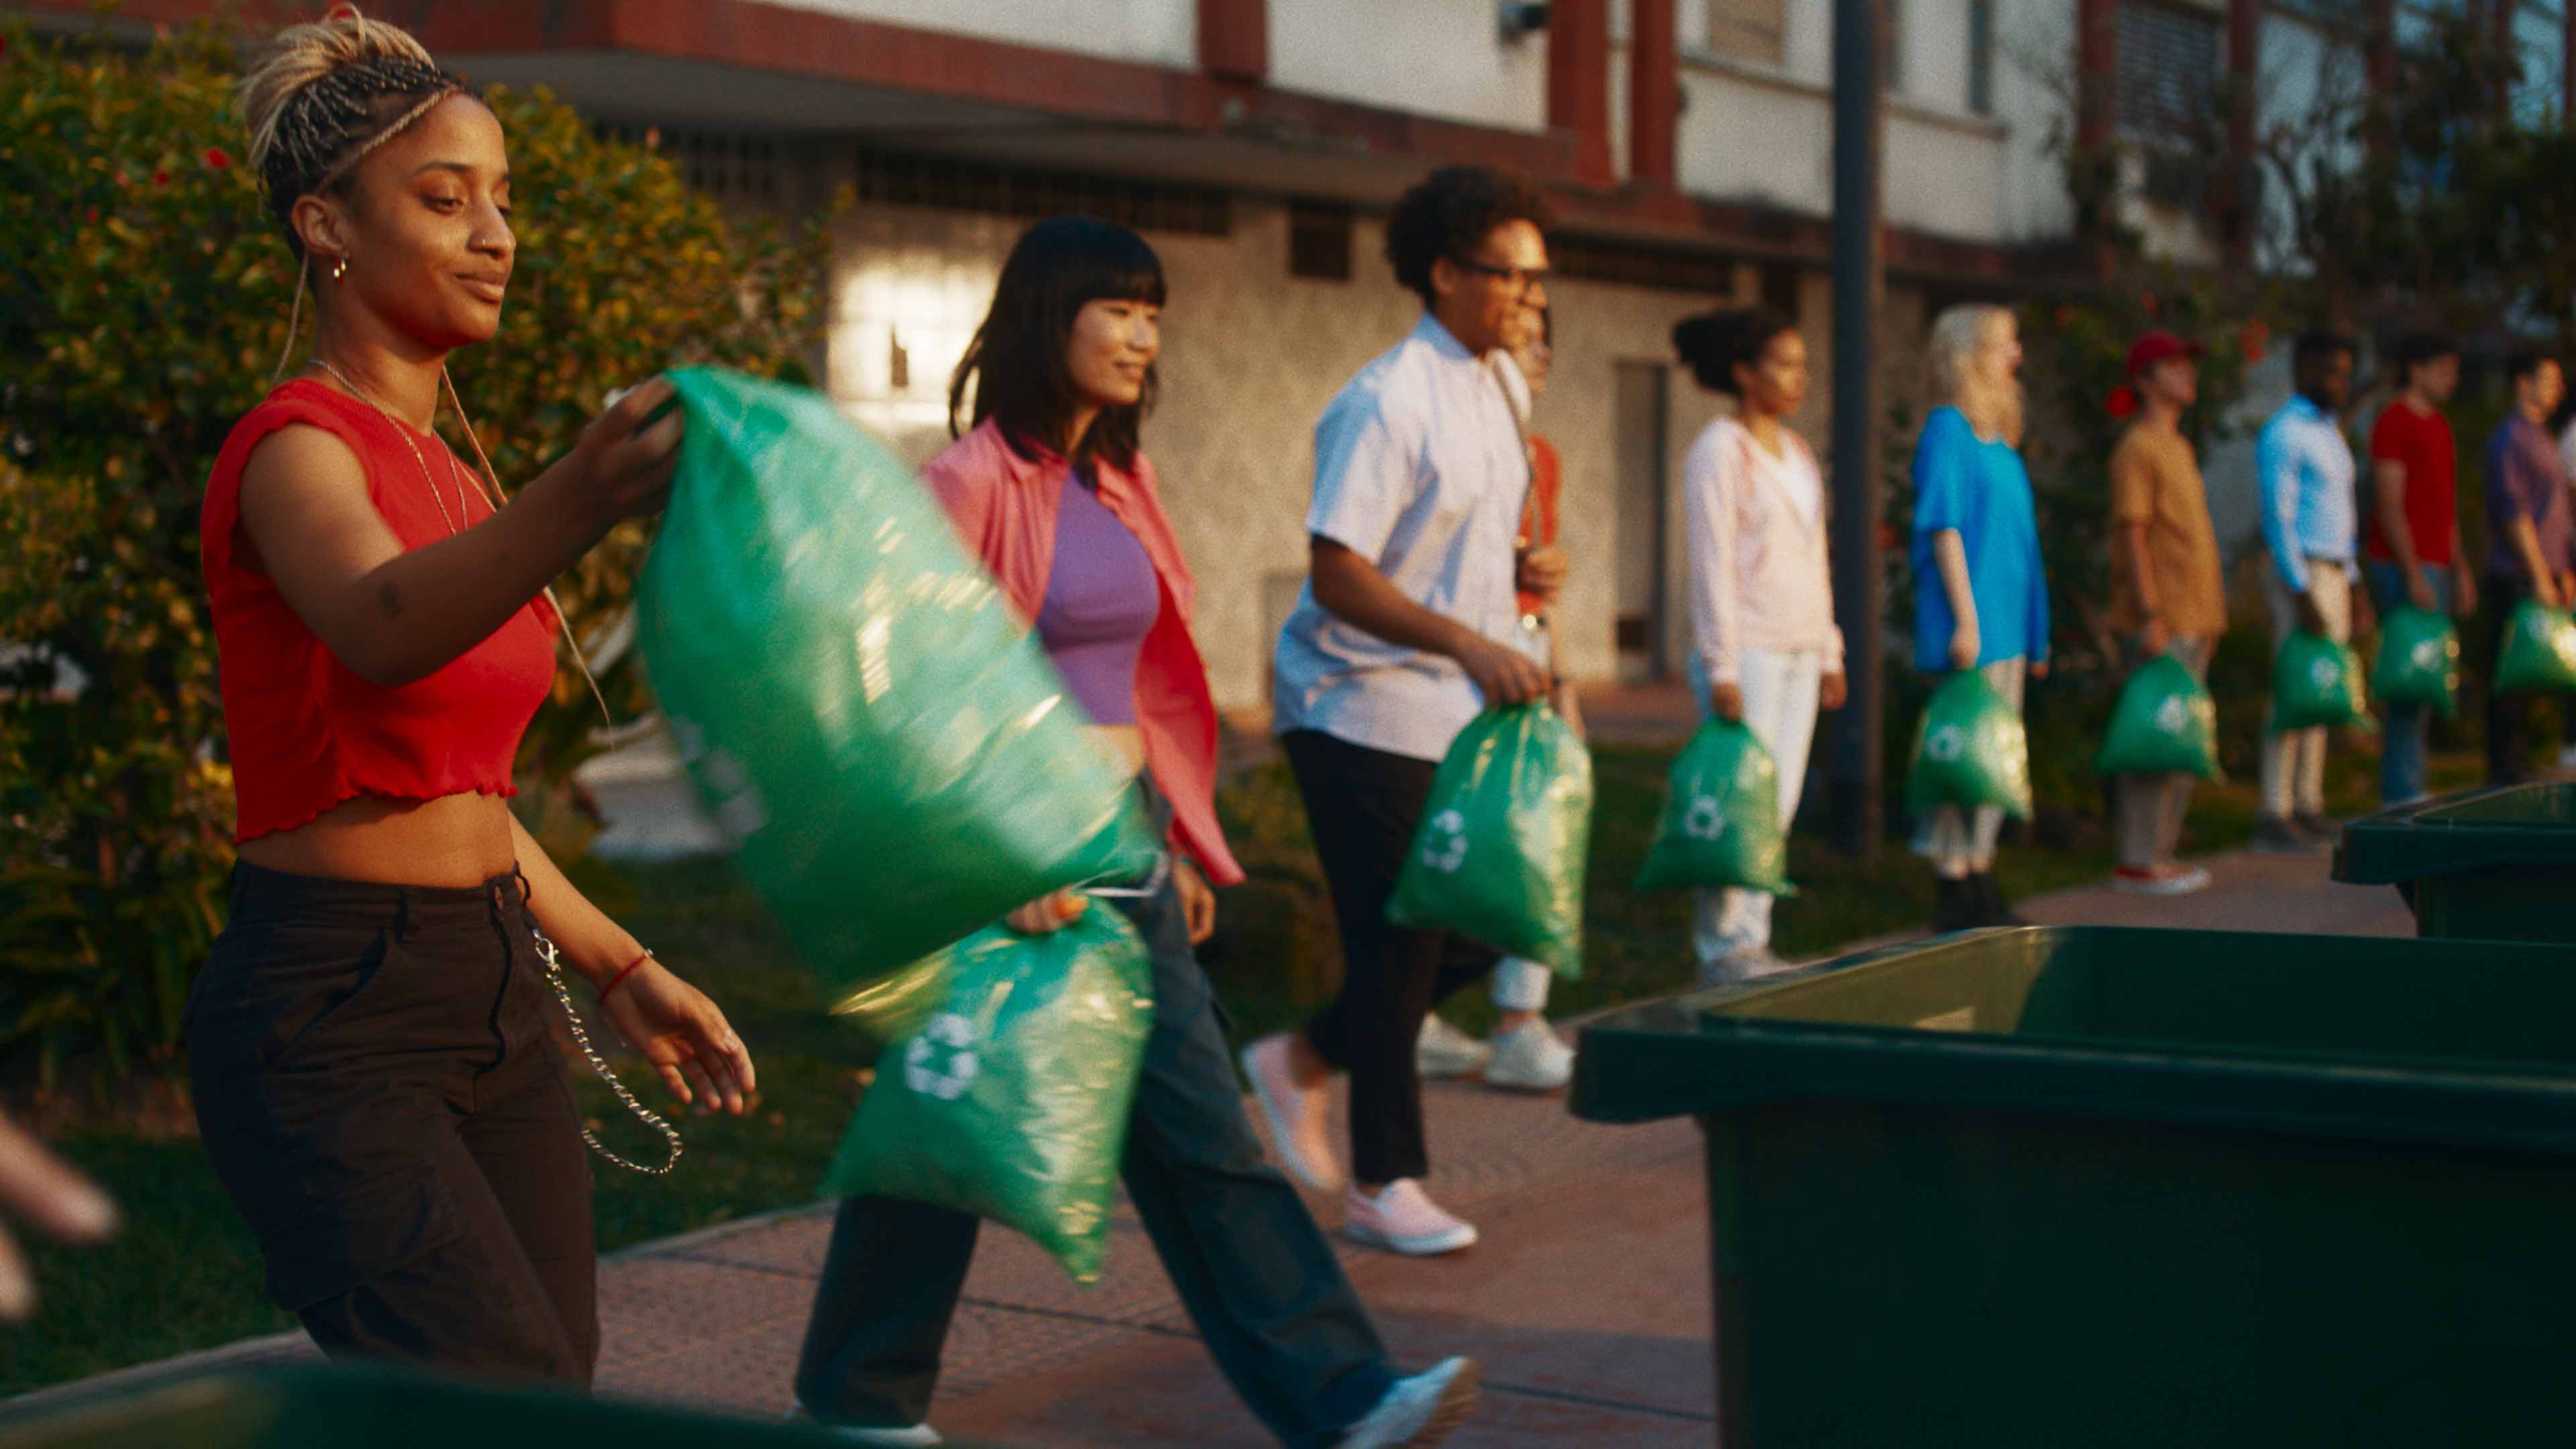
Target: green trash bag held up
x,y
2538,652
2316,682
1010,1101
1500,854
885,744
2164,724
1970,750
2419,661
1721,817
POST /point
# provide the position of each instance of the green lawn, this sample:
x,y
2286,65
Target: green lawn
x,y
184,1276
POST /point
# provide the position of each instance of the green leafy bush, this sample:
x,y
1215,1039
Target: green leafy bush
x,y
144,294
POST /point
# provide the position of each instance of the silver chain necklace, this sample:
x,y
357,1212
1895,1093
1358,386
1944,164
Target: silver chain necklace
x,y
405,433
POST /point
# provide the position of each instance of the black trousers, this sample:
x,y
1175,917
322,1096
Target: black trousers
x,y
2508,715
376,1084
1364,805
1256,1273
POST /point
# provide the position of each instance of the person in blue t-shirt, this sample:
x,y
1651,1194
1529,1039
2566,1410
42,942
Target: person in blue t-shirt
x,y
1980,600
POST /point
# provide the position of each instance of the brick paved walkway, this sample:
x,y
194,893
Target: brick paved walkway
x,y
1586,1301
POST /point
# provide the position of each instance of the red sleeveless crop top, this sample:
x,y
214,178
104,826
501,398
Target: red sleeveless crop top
x,y
307,732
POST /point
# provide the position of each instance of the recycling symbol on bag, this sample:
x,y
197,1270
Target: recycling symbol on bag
x,y
1446,848
2427,654
1704,820
2325,674
941,1062
2171,715
1947,743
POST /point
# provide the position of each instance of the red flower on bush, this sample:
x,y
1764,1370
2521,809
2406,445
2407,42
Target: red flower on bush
x,y
2147,303
160,178
2252,339
2123,402
93,216
1886,537
216,160
2065,316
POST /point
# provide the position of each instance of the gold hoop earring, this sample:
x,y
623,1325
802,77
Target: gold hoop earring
x,y
339,268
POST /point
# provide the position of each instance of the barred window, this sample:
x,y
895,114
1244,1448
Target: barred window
x,y
948,182
2168,69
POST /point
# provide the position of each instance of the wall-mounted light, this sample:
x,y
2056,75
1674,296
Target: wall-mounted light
x,y
1521,18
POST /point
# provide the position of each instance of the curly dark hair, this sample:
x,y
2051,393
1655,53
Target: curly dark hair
x,y
1449,212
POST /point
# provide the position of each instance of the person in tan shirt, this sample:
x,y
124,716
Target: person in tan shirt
x,y
2168,596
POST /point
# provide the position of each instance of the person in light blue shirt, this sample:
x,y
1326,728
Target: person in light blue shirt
x,y
2304,472
1980,596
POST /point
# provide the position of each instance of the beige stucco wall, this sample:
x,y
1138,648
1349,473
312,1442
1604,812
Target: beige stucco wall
x,y
1251,355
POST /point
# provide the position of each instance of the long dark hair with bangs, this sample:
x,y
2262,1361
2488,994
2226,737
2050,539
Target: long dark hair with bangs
x,y
1017,360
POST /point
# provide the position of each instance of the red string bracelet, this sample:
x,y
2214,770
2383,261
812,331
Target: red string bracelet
x,y
619,979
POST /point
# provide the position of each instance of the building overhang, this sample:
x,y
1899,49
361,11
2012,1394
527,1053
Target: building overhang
x,y
779,70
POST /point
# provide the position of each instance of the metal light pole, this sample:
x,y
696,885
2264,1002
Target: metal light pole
x,y
1858,770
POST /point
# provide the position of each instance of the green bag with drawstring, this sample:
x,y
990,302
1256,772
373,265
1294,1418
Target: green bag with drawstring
x,y
1721,823
1009,1098
892,756
2419,661
1970,750
1505,838
2316,682
2538,652
2164,724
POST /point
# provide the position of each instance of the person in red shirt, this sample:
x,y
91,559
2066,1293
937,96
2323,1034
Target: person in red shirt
x,y
2411,539
370,1042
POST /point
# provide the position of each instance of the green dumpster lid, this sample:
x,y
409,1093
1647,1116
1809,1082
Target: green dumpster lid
x,y
2443,1041
2514,825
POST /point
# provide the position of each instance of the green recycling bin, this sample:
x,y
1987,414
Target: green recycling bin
x,y
305,1407
2490,865
2109,1187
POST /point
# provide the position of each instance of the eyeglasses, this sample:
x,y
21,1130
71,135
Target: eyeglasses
x,y
1517,279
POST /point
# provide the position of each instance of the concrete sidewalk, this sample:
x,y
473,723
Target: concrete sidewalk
x,y
1587,1300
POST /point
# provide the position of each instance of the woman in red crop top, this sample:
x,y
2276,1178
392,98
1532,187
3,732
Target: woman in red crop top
x,y
374,1069
1051,490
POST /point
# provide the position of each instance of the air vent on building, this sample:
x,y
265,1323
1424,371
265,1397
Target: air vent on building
x,y
1319,241
898,179
2168,70
731,166
1596,259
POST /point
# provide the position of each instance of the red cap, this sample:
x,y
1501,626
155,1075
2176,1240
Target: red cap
x,y
2158,347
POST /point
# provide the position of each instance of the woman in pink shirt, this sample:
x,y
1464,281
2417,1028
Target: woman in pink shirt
x,y
1765,651
1053,492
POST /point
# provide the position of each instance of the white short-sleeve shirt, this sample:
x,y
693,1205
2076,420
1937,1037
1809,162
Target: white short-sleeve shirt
x,y
1419,468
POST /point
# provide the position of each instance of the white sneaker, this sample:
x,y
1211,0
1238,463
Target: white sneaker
x,y
919,1436
1445,1051
1530,1058
1402,1218
1421,1410
1296,1116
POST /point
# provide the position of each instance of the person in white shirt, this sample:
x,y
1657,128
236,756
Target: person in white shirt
x,y
1403,635
1765,651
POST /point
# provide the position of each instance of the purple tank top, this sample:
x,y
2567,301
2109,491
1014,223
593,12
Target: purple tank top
x,y
1101,600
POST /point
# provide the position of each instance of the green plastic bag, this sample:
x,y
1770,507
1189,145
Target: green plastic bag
x,y
892,754
1970,750
2316,682
1501,851
1011,1100
2164,724
2539,650
1721,817
2419,661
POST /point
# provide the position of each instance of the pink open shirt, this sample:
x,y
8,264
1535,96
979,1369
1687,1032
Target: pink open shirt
x,y
1004,506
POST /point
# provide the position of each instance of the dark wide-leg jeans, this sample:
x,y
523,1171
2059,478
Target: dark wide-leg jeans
x,y
1250,1264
